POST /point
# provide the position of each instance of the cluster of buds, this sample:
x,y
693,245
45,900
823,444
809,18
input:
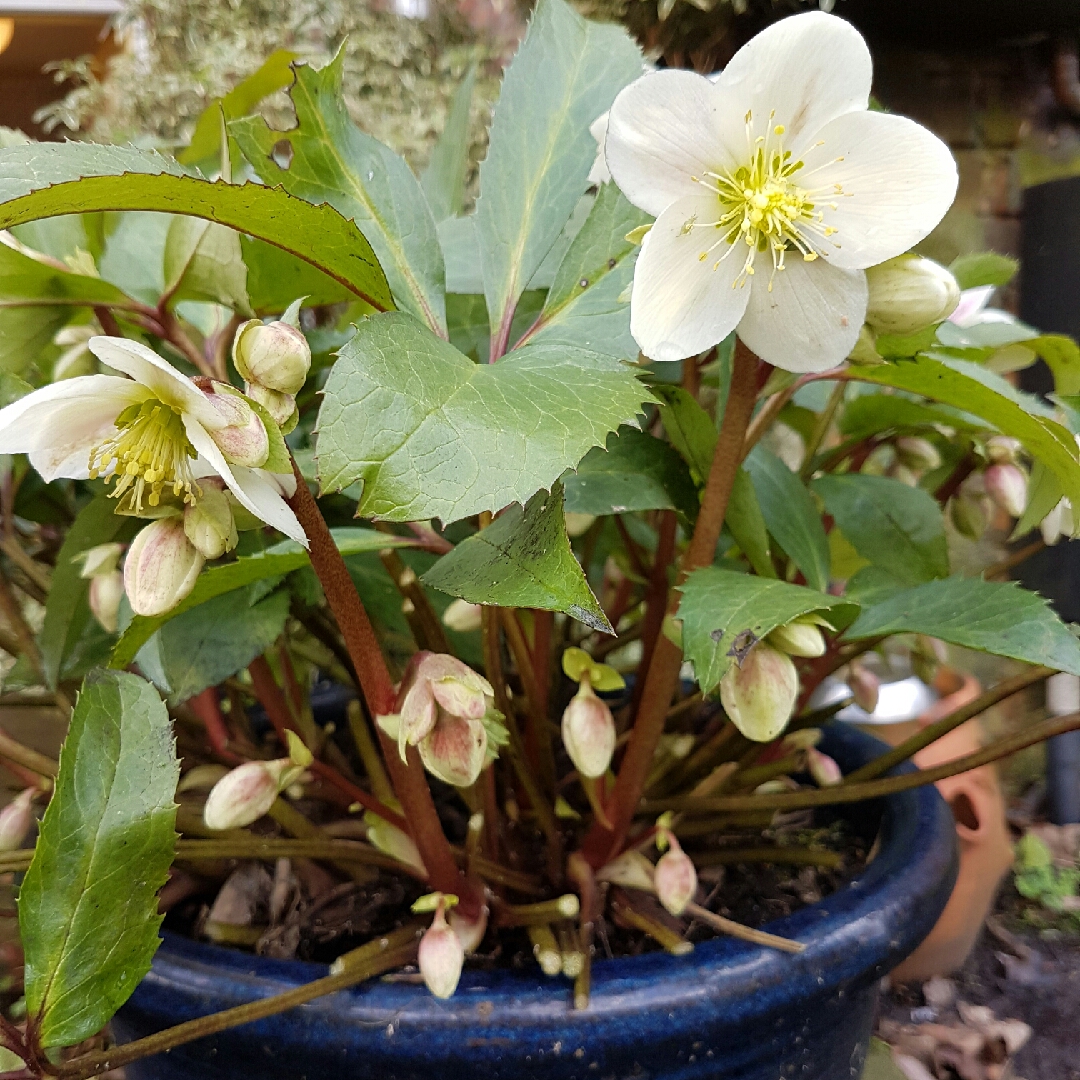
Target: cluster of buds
x,y
247,792
906,294
446,710
1003,483
273,359
674,877
759,690
99,567
16,819
588,728
441,954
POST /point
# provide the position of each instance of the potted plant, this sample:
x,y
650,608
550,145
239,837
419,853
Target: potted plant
x,y
750,412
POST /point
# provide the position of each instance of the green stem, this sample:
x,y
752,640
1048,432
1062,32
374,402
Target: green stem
x,y
821,428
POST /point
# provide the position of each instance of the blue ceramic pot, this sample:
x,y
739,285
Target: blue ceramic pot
x,y
728,1011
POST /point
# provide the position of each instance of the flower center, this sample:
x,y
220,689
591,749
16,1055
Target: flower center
x,y
150,450
763,205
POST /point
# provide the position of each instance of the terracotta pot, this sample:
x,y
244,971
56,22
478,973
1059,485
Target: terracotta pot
x,y
985,846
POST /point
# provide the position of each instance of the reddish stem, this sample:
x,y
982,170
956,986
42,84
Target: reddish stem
x,y
656,595
206,707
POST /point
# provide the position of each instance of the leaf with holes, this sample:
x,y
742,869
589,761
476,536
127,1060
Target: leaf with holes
x,y
433,435
565,74
522,559
724,614
88,905
334,162
43,179
994,617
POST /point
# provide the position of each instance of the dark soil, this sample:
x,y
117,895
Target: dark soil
x,y
1020,972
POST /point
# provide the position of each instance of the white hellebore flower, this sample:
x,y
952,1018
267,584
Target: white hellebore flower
x,y
773,189
153,433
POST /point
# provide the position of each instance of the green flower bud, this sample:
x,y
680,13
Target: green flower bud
x,y
209,523
909,293
968,515
759,694
281,407
865,351
274,354
917,453
798,639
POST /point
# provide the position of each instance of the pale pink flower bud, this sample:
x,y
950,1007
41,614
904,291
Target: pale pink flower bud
x,y
16,819
161,567
106,592
1007,486
917,453
588,732
798,639
281,407
441,681
759,694
456,750
275,354
823,769
470,931
209,524
865,687
675,878
462,616
1003,450
440,956
242,438
247,792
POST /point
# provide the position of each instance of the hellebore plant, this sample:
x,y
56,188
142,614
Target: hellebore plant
x,y
639,487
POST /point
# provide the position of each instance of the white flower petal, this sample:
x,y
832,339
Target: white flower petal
x,y
811,319
808,69
665,128
897,181
254,489
599,173
680,305
59,424
153,371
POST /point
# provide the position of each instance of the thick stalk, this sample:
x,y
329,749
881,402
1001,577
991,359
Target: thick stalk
x,y
662,677
409,780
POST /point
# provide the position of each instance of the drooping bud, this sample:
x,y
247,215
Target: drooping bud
x,y
106,592
1007,486
242,438
248,791
209,524
99,560
1003,450
440,682
274,354
281,407
16,819
865,687
441,954
968,515
798,639
456,750
909,293
823,769
631,870
674,878
462,616
161,567
1058,523
759,694
470,932
588,732
917,453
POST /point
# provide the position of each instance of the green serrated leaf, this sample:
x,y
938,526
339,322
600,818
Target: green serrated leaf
x,y
88,905
689,428
24,278
443,180
433,435
983,268
280,559
994,617
206,644
26,335
968,387
565,74
746,524
790,515
522,559
69,626
723,613
635,472
203,261
876,413
334,162
43,179
896,527
275,277
583,305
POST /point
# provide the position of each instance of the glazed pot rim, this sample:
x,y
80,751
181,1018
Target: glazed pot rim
x,y
855,935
